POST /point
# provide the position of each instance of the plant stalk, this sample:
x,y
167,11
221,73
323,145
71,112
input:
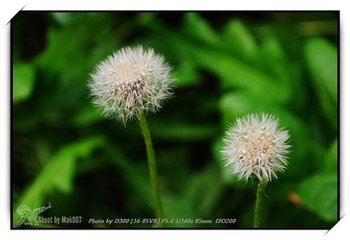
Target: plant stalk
x,y
259,198
152,168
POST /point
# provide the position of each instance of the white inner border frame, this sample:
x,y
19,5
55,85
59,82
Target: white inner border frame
x,y
9,8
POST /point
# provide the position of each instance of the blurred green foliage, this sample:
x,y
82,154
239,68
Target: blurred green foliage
x,y
226,64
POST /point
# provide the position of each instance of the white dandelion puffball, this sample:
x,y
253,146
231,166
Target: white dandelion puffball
x,y
256,146
131,81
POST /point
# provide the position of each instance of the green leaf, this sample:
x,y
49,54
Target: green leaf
x,y
190,202
301,158
86,115
231,71
198,28
234,73
57,174
273,59
186,75
331,157
321,58
272,50
64,18
237,103
319,194
23,81
69,55
239,40
136,175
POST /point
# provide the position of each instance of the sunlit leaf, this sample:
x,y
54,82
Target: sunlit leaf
x,y
186,75
199,28
237,103
23,81
273,59
239,40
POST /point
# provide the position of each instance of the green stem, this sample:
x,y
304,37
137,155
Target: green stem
x,y
259,197
152,167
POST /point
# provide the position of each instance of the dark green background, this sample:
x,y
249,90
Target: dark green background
x,y
226,64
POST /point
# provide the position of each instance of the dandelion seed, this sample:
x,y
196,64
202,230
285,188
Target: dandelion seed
x,y
129,82
256,146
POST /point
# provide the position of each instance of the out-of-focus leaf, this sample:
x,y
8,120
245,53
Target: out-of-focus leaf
x,y
86,115
237,103
321,58
273,59
136,174
198,28
192,201
204,184
64,18
319,194
57,174
234,73
59,53
186,75
73,58
302,158
23,81
239,40
331,158
272,50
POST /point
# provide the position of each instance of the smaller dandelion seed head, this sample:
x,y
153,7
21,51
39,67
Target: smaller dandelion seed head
x,y
130,81
256,146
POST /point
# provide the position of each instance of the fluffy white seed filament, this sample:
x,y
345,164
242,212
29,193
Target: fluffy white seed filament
x,y
131,81
256,146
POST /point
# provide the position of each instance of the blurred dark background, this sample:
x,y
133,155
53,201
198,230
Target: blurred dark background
x,y
226,64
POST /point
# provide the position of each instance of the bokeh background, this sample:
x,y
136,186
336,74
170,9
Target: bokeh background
x,y
226,64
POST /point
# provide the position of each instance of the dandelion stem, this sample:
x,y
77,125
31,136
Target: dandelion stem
x,y
152,167
259,197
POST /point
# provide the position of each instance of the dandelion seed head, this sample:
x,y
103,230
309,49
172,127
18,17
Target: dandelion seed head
x,y
130,81
256,146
